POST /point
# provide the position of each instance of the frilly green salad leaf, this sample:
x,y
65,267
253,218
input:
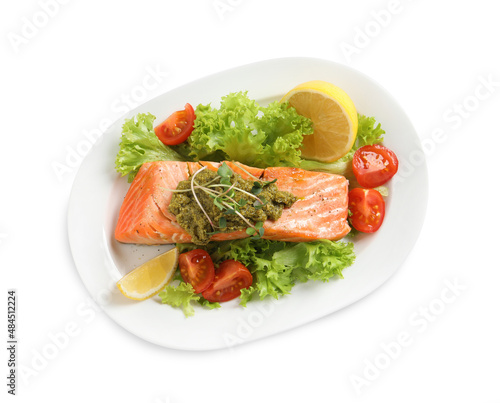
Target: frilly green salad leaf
x,y
277,266
368,133
139,144
207,304
181,296
243,131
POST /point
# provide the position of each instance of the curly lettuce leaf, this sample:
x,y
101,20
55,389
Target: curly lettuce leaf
x,y
209,305
320,260
368,133
284,129
181,296
139,144
247,295
339,167
243,131
276,266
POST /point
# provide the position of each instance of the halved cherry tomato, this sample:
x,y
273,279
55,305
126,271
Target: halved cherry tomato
x,y
177,127
230,278
367,209
374,165
197,269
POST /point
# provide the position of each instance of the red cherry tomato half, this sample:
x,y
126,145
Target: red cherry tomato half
x,y
230,278
197,269
374,165
177,127
367,209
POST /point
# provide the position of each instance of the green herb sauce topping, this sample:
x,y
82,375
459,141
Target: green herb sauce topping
x,y
224,202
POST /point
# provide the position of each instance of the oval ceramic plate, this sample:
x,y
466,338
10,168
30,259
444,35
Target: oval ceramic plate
x,y
98,192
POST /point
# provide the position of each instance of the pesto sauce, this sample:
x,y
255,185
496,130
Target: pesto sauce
x,y
192,219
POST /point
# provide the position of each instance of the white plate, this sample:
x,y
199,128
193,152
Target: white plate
x,y
98,192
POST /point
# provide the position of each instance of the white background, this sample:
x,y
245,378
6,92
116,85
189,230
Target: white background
x,y
70,74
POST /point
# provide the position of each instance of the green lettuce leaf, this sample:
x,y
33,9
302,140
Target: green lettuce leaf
x,y
207,304
246,295
243,131
319,260
276,266
383,190
369,132
181,296
139,144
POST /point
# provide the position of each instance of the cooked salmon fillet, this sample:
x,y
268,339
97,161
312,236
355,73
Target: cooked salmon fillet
x,y
320,212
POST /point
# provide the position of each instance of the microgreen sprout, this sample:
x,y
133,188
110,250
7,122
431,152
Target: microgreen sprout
x,y
261,202
259,186
225,174
225,200
257,231
244,170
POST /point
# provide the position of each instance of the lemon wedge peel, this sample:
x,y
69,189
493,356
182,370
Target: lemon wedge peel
x,y
334,117
151,277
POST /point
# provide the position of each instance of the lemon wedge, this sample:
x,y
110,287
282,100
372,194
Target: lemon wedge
x,y
334,117
149,278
